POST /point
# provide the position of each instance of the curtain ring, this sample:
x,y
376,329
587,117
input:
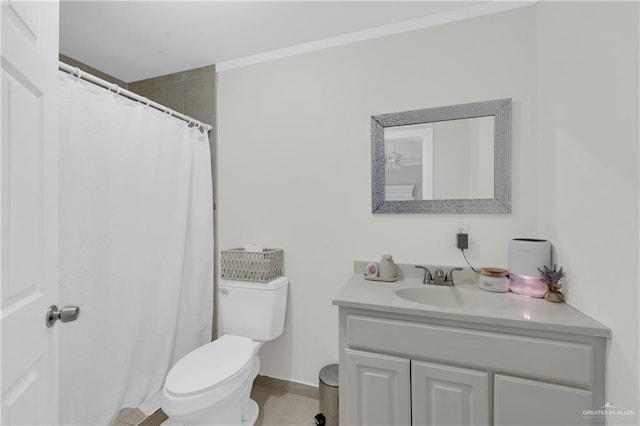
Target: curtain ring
x,y
189,122
169,112
78,75
145,100
116,89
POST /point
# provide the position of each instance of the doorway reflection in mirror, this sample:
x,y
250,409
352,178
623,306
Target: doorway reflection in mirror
x,y
440,160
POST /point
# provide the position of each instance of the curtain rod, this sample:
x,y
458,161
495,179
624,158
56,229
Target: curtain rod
x,y
76,72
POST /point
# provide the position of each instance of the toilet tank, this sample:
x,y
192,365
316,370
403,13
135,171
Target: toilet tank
x,y
251,309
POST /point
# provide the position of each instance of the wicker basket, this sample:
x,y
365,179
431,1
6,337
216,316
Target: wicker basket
x,y
238,264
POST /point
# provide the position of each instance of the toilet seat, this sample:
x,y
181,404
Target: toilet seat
x,y
212,365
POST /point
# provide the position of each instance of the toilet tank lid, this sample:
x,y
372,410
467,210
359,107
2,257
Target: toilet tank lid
x,y
271,285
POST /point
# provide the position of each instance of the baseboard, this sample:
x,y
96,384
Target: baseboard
x,y
287,386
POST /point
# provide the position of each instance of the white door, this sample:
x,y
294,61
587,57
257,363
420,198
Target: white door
x,y
29,211
445,395
377,390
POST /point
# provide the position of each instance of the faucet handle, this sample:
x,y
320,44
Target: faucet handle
x,y
449,274
427,273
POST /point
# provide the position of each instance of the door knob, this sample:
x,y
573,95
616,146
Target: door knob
x,y
66,314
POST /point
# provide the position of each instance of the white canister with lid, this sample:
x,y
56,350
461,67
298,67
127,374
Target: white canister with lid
x,y
494,279
387,268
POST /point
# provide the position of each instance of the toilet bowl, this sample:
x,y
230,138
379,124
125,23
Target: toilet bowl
x,y
212,384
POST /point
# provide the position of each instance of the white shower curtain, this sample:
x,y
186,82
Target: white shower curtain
x,y
136,249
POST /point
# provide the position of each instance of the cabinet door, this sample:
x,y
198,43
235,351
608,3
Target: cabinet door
x,y
377,390
445,395
529,402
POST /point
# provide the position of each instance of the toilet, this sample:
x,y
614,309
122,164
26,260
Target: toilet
x,y
211,385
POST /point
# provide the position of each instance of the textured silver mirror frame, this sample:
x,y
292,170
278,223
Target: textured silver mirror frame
x,y
501,203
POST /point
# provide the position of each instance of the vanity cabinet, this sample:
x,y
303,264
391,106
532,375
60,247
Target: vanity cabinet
x,y
400,369
388,390
378,389
541,403
446,395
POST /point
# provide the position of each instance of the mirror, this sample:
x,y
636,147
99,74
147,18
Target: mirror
x,y
453,159
411,173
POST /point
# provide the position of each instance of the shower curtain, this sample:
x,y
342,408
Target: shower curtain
x,y
136,249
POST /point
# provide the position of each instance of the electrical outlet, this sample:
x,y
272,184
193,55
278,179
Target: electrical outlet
x,y
460,228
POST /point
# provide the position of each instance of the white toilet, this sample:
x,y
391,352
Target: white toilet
x,y
211,385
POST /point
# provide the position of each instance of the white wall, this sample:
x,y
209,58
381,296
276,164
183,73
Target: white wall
x,y
294,163
588,150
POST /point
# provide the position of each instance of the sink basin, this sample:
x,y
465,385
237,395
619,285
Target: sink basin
x,y
451,297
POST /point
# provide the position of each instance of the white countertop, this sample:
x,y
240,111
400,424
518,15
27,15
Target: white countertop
x,y
502,309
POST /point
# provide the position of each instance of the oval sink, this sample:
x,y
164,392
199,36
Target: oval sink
x,y
450,297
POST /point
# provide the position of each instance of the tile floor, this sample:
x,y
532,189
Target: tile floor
x,y
156,419
277,408
281,408
135,417
129,417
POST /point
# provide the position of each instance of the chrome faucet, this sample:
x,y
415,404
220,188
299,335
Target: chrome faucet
x,y
427,273
449,275
439,277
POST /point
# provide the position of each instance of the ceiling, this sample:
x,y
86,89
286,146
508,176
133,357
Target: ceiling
x,y
143,39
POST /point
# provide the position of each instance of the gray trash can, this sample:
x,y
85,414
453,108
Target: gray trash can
x,y
328,390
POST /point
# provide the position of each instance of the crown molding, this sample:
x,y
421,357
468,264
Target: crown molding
x,y
475,11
